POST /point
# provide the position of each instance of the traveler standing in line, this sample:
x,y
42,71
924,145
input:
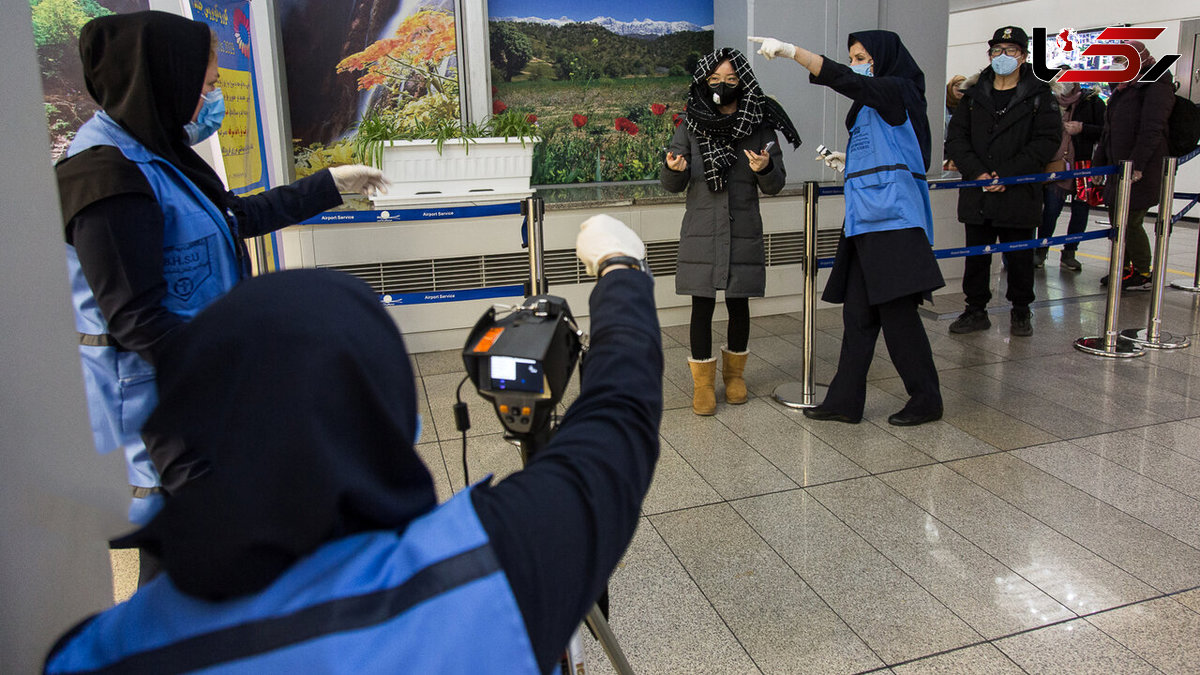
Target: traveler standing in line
x,y
152,234
884,266
1083,120
1135,128
723,154
1007,124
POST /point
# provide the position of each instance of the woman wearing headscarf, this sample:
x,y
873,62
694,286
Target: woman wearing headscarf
x,y
152,234
300,530
723,154
884,266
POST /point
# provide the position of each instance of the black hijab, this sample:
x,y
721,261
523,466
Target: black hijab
x,y
286,417
146,70
715,131
891,59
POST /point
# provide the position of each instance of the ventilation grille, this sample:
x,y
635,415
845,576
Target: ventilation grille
x,y
562,267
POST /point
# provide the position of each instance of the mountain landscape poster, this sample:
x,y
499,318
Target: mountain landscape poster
x,y
605,81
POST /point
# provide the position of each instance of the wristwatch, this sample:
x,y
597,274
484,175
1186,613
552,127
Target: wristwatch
x,y
619,260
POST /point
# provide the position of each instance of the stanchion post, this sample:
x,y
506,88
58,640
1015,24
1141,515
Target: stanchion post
x,y
1153,335
804,394
1112,344
534,210
1195,285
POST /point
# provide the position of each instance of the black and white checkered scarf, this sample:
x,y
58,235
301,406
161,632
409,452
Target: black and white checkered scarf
x,y
717,133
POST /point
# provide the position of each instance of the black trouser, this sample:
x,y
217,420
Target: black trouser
x,y
977,269
701,328
1137,242
907,345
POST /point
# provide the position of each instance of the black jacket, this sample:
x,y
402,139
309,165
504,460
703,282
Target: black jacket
x,y
1135,128
1089,110
1020,140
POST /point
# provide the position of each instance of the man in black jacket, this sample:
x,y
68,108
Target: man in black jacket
x,y
1008,124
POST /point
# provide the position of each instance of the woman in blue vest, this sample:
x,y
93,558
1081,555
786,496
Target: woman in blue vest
x,y
300,531
152,234
884,266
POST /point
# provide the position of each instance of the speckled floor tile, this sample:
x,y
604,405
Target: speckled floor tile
x,y
676,485
1074,576
977,660
779,620
1071,647
662,621
897,618
806,459
1150,555
1163,632
1145,499
725,461
992,598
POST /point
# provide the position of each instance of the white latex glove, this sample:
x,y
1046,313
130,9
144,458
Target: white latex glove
x,y
603,236
359,178
771,47
834,160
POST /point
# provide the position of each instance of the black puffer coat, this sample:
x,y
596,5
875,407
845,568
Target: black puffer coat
x,y
1019,140
721,240
1135,128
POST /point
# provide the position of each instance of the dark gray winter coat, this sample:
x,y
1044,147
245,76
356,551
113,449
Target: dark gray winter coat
x,y
721,241
1135,128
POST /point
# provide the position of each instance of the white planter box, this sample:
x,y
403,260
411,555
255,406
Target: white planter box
x,y
490,170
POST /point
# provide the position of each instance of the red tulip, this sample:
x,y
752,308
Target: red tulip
x,y
620,123
531,118
658,108
631,129
498,107
578,120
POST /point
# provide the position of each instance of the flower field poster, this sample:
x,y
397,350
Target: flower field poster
x,y
605,81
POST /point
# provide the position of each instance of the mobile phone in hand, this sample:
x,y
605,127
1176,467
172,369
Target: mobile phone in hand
x,y
767,147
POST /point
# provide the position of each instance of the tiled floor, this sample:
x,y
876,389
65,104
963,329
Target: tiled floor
x,y
1049,523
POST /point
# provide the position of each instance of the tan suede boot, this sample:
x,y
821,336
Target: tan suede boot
x,y
732,365
704,395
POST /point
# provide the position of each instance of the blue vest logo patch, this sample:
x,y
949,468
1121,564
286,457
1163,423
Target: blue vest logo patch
x,y
187,266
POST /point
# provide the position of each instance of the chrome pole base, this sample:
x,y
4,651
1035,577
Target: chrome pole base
x,y
1165,340
1185,286
791,394
1124,348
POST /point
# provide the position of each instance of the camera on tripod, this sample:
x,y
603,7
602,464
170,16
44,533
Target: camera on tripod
x,y
523,362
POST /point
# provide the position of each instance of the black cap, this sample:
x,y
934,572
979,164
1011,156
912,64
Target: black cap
x,y
1012,34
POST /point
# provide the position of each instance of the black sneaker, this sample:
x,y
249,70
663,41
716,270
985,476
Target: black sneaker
x,y
1069,262
1022,323
1039,258
1135,281
971,321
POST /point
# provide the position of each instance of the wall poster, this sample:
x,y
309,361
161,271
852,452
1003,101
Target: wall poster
x,y
606,81
350,61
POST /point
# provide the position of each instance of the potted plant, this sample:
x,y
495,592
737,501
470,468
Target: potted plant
x,y
444,161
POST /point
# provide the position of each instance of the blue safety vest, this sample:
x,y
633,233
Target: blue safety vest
x,y
200,263
431,600
885,178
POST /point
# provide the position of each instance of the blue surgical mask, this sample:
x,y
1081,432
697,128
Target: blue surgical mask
x,y
863,69
1005,64
212,113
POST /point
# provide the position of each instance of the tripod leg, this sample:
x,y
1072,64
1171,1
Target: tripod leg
x,y
595,620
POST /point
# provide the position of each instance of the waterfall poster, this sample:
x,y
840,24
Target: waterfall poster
x,y
394,61
606,81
